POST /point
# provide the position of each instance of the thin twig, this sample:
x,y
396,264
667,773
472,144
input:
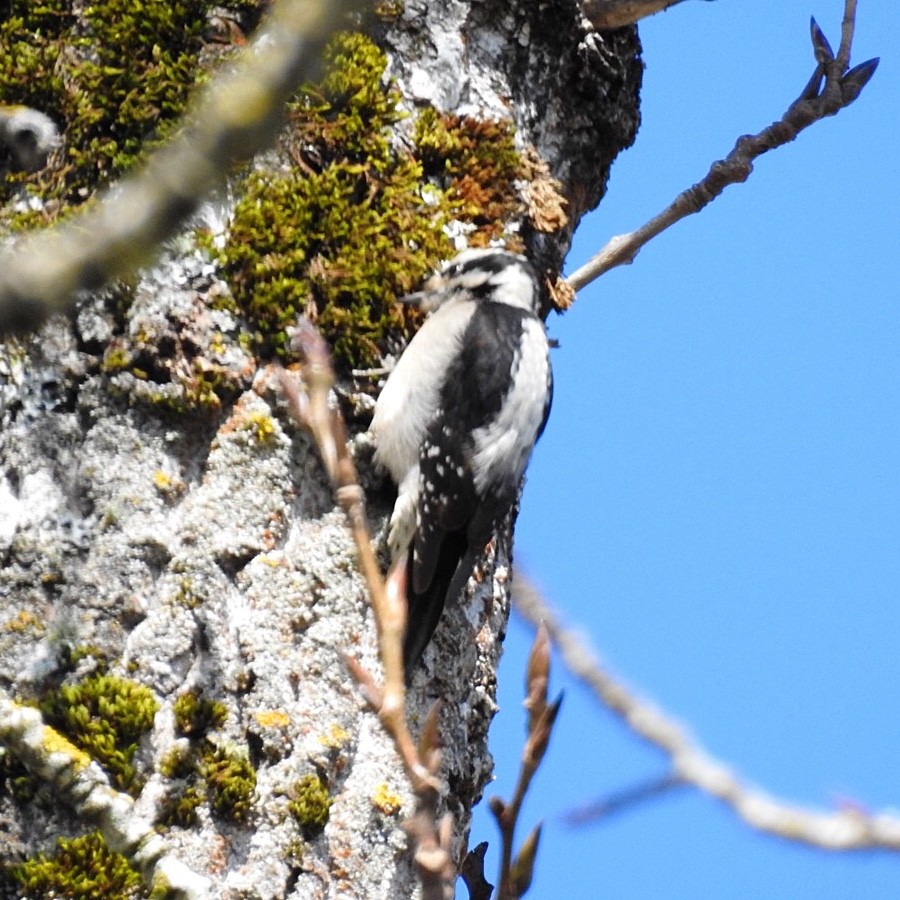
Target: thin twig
x,y
847,26
624,799
840,89
236,117
845,829
311,410
83,785
472,873
515,875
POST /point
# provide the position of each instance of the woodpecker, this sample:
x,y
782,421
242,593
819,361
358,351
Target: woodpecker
x,y
456,422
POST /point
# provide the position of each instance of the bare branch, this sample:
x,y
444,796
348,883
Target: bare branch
x,y
841,88
515,874
83,785
693,765
472,873
847,26
624,799
603,14
311,410
228,123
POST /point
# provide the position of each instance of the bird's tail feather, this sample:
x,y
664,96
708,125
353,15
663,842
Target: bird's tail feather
x,y
455,564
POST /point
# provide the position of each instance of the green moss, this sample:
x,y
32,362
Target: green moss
x,y
347,113
105,716
230,783
81,868
476,162
294,852
177,763
388,9
357,223
346,231
115,359
310,804
205,387
186,595
16,781
71,656
179,808
180,382
114,76
195,715
201,771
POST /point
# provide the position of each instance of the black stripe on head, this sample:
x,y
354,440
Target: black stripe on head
x,y
483,263
481,272
490,263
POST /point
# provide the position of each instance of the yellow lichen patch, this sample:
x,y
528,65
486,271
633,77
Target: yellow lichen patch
x,y
54,742
261,425
24,621
335,738
387,801
167,485
272,718
116,358
273,560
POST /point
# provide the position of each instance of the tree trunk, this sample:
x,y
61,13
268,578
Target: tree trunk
x,y
164,526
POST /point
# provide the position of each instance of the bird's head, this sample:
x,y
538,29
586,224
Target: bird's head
x,y
492,275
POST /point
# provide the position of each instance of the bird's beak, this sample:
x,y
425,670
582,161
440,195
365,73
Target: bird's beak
x,y
429,298
415,299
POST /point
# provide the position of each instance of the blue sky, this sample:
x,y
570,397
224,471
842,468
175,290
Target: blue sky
x,y
716,500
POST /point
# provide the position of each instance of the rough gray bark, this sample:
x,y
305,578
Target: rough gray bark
x,y
204,551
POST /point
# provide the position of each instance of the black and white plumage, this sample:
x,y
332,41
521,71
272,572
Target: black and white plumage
x,y
456,422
